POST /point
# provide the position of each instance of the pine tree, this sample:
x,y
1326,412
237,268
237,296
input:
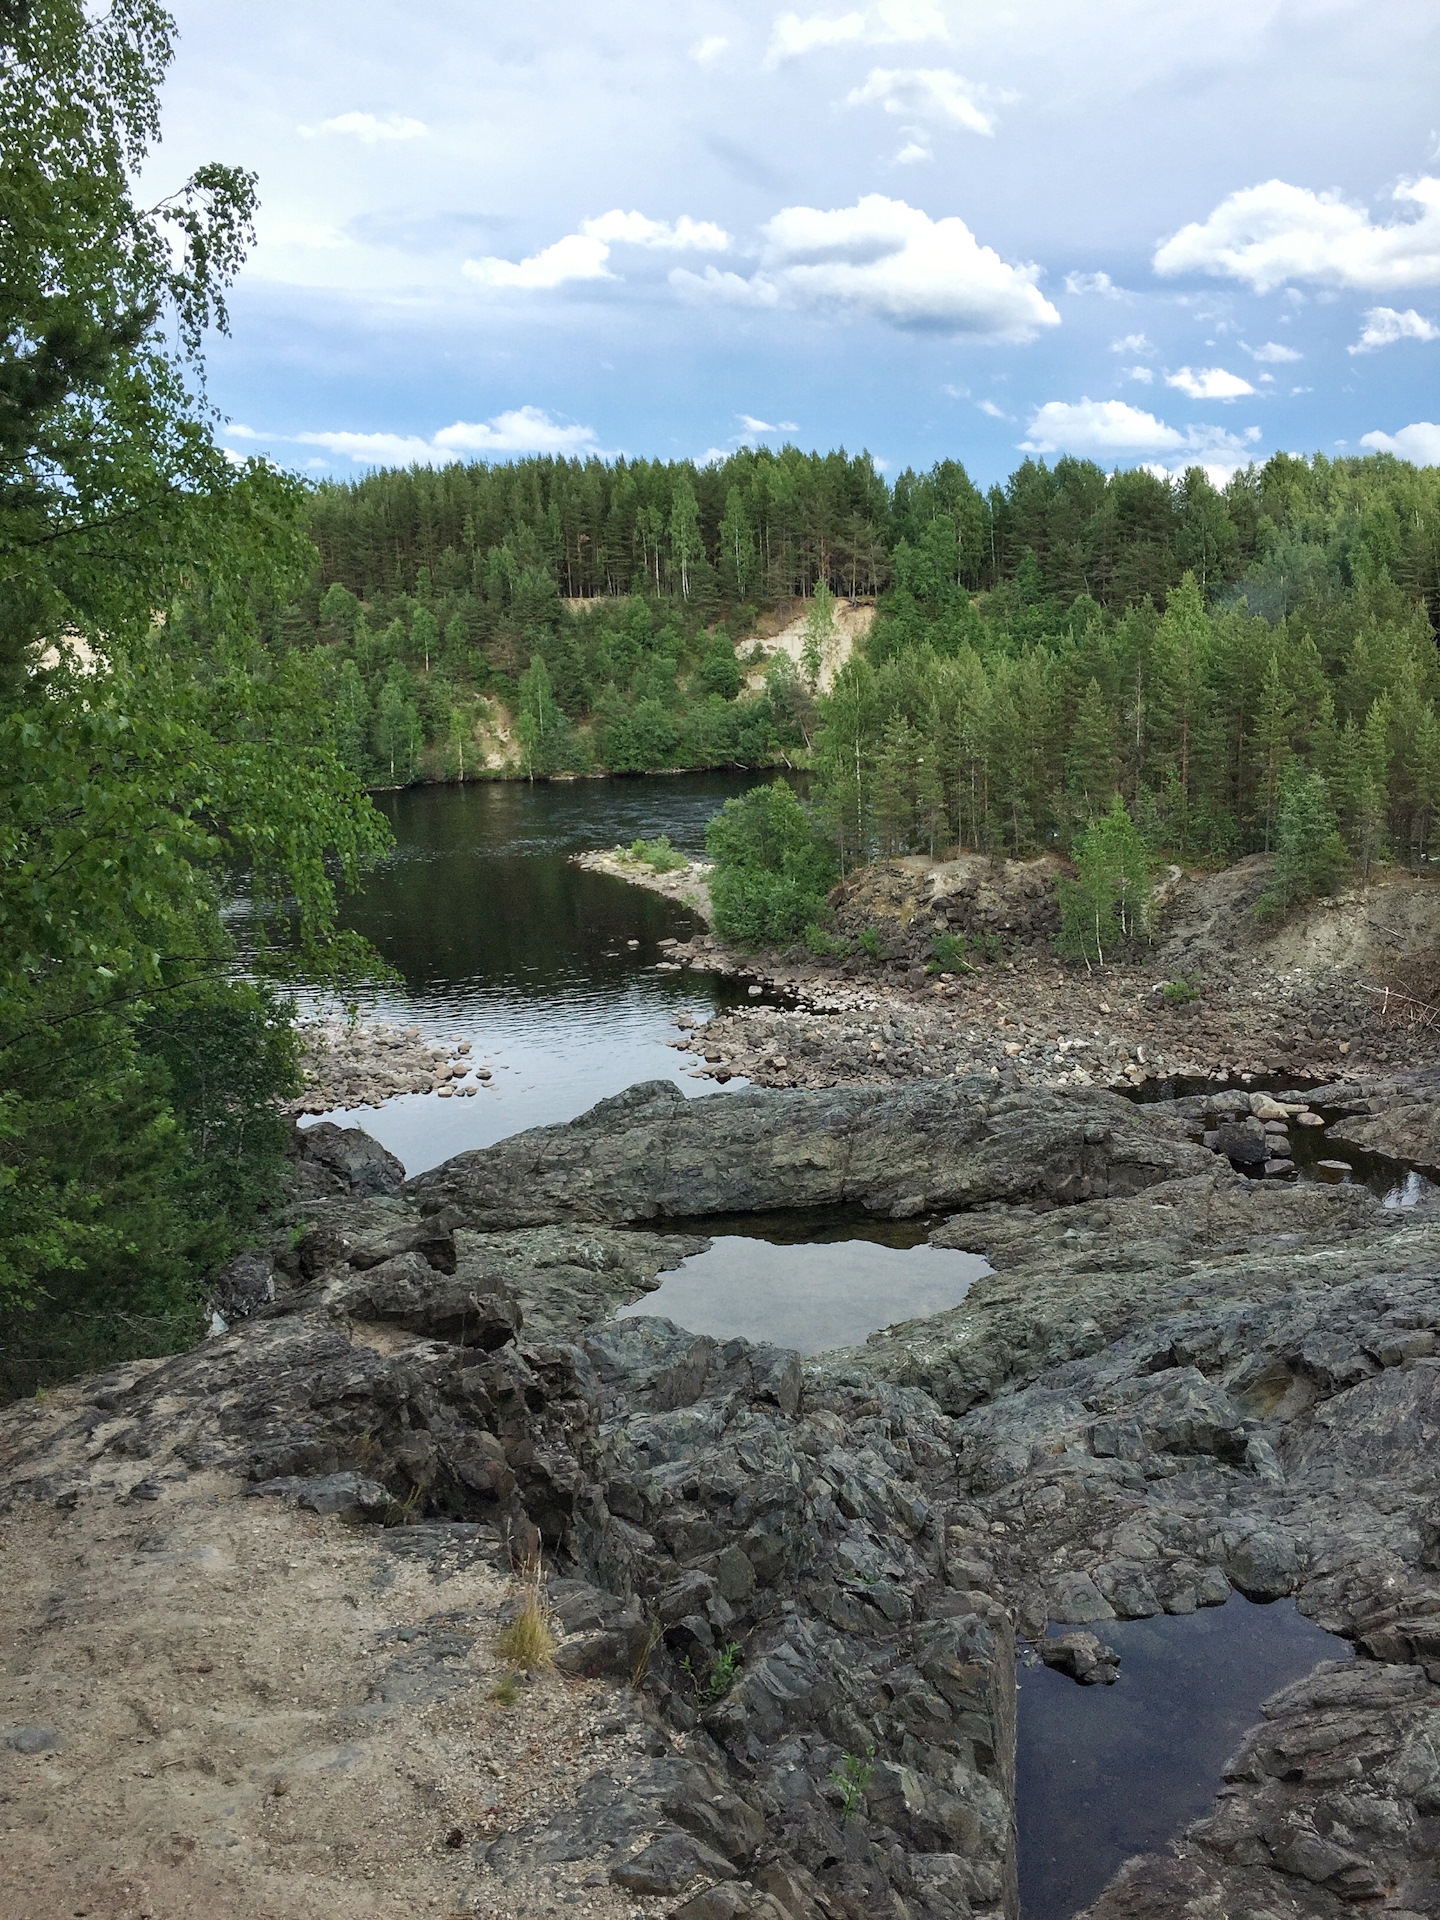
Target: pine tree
x,y
1272,740
1309,853
1179,694
1091,766
685,546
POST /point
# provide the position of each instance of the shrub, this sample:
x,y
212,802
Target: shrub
x,y
527,1640
657,854
772,869
871,943
824,944
947,954
1179,993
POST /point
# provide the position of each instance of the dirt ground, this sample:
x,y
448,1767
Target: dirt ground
x,y
234,1709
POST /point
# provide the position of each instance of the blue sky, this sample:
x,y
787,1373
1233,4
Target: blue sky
x,y
1147,231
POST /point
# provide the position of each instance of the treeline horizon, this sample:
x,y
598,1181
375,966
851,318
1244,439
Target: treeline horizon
x,y
1036,648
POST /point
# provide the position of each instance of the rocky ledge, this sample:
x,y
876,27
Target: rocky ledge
x,y
804,1583
347,1066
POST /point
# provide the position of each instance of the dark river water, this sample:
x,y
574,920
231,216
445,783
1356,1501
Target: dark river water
x,y
500,939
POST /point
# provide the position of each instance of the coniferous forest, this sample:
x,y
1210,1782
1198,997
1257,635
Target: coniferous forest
x,y
1036,649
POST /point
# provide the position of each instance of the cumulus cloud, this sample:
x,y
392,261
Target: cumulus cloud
x,y
1145,375
585,255
730,289
1383,326
882,259
1100,283
370,127
889,23
752,425
710,48
1131,343
1419,442
518,430
1209,383
1274,233
927,93
1272,354
1113,428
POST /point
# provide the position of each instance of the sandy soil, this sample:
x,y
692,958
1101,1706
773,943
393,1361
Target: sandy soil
x,y
852,623
252,1712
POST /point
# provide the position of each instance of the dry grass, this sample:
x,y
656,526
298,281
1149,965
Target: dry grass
x,y
528,1642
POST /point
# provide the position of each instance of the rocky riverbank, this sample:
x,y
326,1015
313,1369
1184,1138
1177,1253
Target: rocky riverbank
x,y
1219,994
688,884
348,1066
786,1596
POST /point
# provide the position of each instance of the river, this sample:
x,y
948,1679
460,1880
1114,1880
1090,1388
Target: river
x,y
549,971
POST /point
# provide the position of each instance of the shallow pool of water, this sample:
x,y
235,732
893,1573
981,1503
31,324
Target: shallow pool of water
x,y
810,1296
1106,1772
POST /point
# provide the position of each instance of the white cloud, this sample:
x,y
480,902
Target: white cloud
x,y
926,93
585,255
370,127
1096,283
1272,233
889,23
914,150
710,48
576,257
956,393
683,235
518,430
1384,326
995,413
1272,354
1209,383
1131,343
884,260
752,425
1145,375
731,289
1113,428
1419,442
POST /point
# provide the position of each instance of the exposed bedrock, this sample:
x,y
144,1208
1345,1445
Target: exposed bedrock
x,y
1179,1384
650,1153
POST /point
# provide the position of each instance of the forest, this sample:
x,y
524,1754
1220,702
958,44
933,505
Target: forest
x,y
1036,649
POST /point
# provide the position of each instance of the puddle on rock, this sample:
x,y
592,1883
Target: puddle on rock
x,y
1107,1772
790,1281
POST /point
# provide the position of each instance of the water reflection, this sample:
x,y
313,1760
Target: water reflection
x,y
813,1297
1106,1772
501,940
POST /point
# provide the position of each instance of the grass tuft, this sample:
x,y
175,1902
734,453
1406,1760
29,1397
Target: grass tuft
x,y
528,1641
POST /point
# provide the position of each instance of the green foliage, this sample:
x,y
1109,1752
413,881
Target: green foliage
x,y
1107,902
167,762
715,1679
772,868
853,1777
1180,992
870,942
824,944
819,634
947,954
1310,856
658,854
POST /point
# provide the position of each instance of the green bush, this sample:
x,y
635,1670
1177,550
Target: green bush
x,y
772,868
1180,992
871,943
947,954
657,854
824,944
